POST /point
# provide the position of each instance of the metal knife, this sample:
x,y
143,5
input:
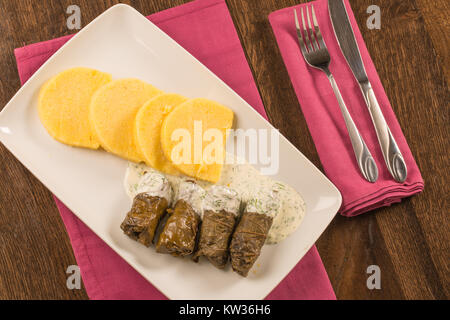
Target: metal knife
x,y
346,39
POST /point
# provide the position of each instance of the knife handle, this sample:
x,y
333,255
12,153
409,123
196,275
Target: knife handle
x,y
364,158
391,152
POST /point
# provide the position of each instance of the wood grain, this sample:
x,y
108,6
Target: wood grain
x,y
409,241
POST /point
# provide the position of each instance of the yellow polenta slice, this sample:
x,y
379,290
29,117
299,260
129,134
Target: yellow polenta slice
x,y
113,113
149,120
63,105
190,135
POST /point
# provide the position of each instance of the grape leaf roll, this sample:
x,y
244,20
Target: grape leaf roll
x,y
153,197
179,234
221,208
180,231
141,222
251,232
247,241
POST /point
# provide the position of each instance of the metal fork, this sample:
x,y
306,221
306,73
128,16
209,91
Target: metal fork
x,y
316,54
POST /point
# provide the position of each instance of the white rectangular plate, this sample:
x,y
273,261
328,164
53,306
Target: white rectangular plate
x,y
90,182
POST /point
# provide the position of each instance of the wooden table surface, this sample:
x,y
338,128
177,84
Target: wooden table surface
x,y
408,241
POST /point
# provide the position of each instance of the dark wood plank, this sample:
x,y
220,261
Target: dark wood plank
x,y
437,25
409,241
418,91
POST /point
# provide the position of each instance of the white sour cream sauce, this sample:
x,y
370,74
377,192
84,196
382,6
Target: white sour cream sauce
x,y
193,194
155,184
220,198
260,193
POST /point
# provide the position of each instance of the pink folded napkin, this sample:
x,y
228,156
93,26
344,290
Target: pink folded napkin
x,y
196,27
326,124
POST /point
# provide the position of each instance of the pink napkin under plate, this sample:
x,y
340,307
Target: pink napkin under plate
x,y
326,124
194,26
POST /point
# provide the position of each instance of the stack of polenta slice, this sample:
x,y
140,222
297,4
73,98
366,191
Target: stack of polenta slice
x,y
83,107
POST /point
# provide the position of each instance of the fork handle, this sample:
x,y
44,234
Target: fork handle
x,y
364,158
391,152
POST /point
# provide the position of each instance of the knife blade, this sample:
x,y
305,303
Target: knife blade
x,y
349,47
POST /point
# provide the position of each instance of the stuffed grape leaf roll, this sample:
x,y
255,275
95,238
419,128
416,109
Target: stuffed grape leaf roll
x,y
179,234
221,209
251,232
154,194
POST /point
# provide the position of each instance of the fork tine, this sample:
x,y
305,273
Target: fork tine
x,y
305,32
311,31
317,29
297,25
299,33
